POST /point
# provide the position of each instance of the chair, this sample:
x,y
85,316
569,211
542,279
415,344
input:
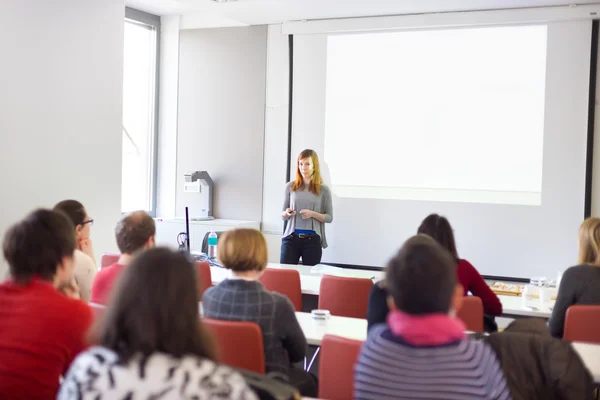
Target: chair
x,y
336,367
204,277
345,297
582,324
240,344
286,282
471,313
98,310
108,259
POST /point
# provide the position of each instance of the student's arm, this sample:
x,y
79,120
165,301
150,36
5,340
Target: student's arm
x,y
566,297
294,340
477,286
84,272
286,204
378,307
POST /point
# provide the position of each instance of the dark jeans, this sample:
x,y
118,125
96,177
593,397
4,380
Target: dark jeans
x,y
306,246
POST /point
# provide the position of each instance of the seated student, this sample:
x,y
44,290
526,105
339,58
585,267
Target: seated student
x,y
440,229
151,343
41,329
135,232
243,298
84,260
423,351
579,284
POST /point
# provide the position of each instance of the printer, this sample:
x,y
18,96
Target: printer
x,y
198,195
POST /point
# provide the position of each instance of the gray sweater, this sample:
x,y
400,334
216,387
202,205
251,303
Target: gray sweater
x,y
242,300
303,199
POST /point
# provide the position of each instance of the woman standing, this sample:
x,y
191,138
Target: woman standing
x,y
307,207
83,259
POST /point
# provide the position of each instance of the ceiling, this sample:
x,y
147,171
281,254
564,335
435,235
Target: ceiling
x,y
204,13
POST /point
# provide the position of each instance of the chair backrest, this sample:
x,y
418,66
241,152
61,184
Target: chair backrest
x,y
336,367
240,343
345,297
286,282
98,310
204,247
582,324
108,259
204,277
471,313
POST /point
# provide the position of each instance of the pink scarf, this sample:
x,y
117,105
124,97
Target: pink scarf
x,y
426,330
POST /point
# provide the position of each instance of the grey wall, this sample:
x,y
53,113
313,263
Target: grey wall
x,y
222,81
61,85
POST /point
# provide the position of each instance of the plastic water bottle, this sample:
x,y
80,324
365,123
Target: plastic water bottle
x,y
212,244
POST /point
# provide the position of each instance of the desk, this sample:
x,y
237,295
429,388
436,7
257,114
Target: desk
x,y
314,330
512,306
590,355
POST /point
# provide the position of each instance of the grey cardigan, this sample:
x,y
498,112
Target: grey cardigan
x,y
304,199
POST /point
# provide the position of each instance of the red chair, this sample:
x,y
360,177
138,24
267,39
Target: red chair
x,y
98,310
286,282
108,259
204,277
471,313
582,324
240,343
345,297
336,367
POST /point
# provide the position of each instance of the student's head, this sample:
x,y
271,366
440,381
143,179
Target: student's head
x,y
308,167
439,228
589,242
135,232
421,278
155,309
78,216
42,246
243,250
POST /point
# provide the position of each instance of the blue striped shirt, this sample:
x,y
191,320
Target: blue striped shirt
x,y
389,368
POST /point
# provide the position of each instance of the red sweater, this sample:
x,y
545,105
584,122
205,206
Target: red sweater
x,y
472,282
41,331
104,282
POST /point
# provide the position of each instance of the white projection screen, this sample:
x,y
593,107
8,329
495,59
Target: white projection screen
x,y
485,125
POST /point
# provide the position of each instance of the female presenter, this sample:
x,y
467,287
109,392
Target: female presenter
x,y
307,208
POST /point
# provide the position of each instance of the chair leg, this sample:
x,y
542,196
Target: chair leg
x,y
312,359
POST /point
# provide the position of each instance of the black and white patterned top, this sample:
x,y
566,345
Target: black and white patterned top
x,y
95,374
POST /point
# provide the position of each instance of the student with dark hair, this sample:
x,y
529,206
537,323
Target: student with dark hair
x,y
423,351
243,298
41,329
84,259
151,343
439,228
135,232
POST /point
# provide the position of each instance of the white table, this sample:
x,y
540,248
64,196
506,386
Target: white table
x,y
314,330
590,355
512,306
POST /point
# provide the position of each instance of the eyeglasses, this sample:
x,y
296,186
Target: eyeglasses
x,y
89,221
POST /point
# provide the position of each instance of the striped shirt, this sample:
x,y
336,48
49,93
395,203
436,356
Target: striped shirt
x,y
390,368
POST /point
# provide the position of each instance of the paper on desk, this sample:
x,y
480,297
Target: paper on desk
x,y
321,269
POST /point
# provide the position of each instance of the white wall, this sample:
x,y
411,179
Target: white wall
x,y
221,116
61,99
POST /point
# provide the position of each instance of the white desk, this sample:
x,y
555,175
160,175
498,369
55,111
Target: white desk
x,y
512,306
314,330
590,355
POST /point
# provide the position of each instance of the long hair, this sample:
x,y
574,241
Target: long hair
x,y
439,228
589,242
155,309
315,181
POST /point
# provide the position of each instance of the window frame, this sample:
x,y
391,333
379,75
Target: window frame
x,y
153,21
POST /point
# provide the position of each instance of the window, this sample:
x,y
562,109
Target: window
x,y
140,111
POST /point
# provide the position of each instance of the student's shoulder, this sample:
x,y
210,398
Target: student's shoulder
x,y
288,186
325,190
581,270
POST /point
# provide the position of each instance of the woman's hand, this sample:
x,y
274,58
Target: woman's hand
x,y
306,214
288,213
85,245
70,290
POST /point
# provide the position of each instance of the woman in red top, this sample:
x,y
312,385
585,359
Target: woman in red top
x,y
440,229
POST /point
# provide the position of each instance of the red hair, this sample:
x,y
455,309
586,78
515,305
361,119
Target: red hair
x,y
315,181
